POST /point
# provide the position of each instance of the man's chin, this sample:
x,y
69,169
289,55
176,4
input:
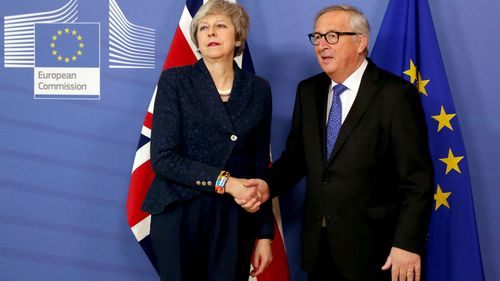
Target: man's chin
x,y
327,67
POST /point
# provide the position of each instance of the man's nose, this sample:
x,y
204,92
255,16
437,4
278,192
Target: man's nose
x,y
322,43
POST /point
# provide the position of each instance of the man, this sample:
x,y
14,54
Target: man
x,y
359,136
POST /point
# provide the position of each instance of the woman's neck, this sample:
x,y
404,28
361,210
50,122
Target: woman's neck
x,y
222,73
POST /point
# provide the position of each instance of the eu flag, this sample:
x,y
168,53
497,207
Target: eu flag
x,y
407,46
67,45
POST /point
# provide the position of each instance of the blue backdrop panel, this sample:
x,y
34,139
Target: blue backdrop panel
x,y
65,163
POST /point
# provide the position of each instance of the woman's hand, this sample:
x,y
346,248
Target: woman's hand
x,y
241,193
262,257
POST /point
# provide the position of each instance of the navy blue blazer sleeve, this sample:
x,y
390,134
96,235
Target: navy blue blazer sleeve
x,y
166,138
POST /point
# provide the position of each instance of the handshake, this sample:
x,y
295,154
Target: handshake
x,y
248,193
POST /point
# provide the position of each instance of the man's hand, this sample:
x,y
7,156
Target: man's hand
x,y
253,204
405,265
262,188
235,187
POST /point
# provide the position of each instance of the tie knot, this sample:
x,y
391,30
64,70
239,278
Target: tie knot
x,y
339,89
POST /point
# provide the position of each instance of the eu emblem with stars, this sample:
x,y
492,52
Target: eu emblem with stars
x,y
67,61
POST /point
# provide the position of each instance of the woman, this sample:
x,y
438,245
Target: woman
x,y
211,126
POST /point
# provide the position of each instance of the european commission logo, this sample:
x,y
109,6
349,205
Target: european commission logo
x,y
65,53
67,57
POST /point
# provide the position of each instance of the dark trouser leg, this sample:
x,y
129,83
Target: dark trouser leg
x,y
325,267
179,251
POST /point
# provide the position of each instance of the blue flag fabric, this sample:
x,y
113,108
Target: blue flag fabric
x,y
407,46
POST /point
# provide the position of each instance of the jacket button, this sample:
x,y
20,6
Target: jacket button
x,y
198,182
234,137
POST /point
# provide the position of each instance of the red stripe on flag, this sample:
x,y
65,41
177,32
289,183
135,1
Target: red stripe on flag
x,y
148,120
180,52
140,181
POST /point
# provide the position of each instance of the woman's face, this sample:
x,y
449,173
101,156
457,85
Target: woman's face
x,y
216,37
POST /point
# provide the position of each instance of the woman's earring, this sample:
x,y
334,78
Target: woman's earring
x,y
238,43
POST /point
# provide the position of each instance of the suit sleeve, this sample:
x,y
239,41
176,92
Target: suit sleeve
x,y
166,140
290,167
414,163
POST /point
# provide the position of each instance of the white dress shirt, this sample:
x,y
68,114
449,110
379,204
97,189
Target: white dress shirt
x,y
349,95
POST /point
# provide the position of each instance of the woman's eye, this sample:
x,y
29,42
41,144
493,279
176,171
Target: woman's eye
x,y
201,28
221,25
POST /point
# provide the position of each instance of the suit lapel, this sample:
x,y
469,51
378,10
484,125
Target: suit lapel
x,y
209,100
321,97
366,92
240,95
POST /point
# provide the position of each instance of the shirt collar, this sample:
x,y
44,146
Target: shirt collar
x,y
354,80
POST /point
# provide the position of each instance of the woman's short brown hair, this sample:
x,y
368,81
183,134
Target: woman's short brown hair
x,y
236,12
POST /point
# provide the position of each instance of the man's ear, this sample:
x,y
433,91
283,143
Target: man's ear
x,y
363,43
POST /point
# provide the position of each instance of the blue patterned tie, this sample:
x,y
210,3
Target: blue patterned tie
x,y
334,119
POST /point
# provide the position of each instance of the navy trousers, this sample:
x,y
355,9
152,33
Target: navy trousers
x,y
207,238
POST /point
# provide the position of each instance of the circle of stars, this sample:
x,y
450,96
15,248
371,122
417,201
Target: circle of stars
x,y
73,35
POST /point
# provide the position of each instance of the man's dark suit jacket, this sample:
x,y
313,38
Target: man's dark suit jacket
x,y
376,190
195,136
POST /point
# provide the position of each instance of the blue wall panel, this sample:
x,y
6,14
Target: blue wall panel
x,y
65,164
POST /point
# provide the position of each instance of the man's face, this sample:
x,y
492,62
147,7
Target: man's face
x,y
343,58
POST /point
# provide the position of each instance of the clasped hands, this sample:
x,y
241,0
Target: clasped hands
x,y
248,193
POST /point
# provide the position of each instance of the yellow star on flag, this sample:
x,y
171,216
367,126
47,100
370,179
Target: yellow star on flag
x,y
59,32
52,45
54,38
54,52
412,72
444,119
79,38
441,198
66,59
73,32
421,84
79,52
59,58
81,45
73,58
66,30
451,162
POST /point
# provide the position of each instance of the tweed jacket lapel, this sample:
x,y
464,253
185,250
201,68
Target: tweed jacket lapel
x,y
208,97
240,94
366,92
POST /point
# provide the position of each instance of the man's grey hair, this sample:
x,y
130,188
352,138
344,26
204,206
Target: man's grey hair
x,y
358,21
